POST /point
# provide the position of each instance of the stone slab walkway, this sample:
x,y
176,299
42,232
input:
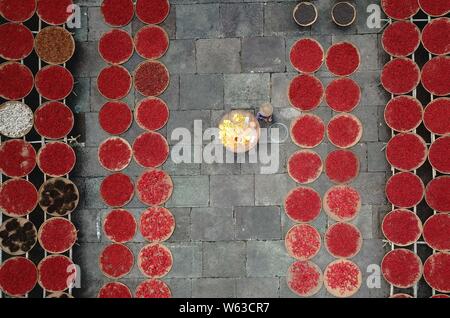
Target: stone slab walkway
x,y
230,222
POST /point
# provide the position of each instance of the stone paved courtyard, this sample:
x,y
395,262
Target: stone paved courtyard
x,y
230,221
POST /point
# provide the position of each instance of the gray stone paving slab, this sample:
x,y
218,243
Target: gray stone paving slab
x,y
220,168
241,20
180,57
86,223
371,92
280,84
258,223
87,164
364,222
246,90
214,288
267,259
182,232
218,55
377,157
185,119
371,187
79,99
384,132
86,61
263,54
229,191
91,194
182,168
224,259
322,184
180,287
170,24
187,260
325,113
198,21
133,62
81,186
378,214
263,287
212,224
93,133
189,191
368,116
201,91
